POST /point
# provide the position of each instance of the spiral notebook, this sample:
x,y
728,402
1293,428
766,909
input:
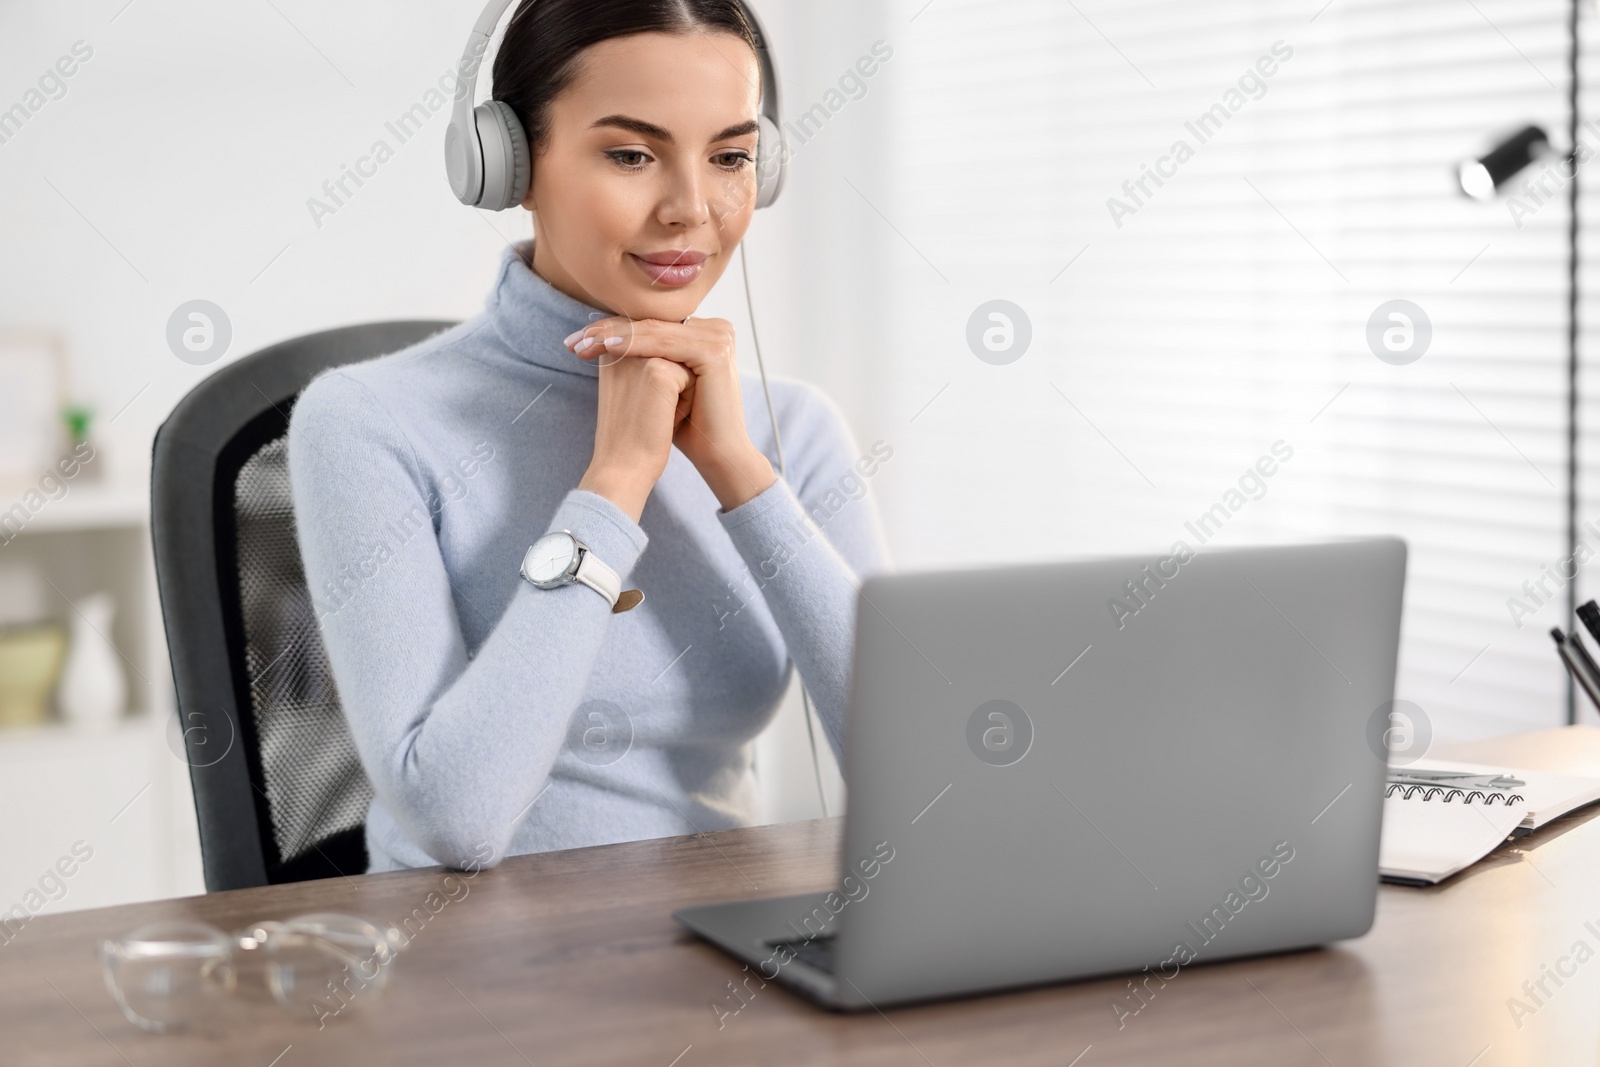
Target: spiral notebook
x,y
1441,817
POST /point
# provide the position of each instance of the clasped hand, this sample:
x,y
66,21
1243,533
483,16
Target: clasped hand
x,y
665,384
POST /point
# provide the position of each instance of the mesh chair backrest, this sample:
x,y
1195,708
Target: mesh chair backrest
x,y
314,783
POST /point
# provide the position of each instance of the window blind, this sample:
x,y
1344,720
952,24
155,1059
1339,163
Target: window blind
x,y
1182,329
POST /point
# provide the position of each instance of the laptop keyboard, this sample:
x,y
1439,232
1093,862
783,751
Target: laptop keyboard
x,y
816,952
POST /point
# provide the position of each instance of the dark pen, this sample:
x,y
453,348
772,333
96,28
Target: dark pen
x,y
1570,651
1590,614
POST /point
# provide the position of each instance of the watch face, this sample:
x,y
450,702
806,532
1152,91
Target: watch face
x,y
549,557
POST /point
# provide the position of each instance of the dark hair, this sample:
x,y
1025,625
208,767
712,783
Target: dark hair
x,y
538,57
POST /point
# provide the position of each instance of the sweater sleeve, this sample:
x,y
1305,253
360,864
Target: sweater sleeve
x,y
808,540
457,746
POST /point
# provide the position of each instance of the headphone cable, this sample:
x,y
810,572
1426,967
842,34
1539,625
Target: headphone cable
x,y
783,472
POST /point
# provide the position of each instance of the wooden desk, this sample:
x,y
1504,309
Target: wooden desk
x,y
572,958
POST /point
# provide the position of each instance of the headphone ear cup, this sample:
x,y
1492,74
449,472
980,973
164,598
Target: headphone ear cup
x,y
507,162
772,163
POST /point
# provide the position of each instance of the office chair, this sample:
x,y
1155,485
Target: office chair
x,y
279,793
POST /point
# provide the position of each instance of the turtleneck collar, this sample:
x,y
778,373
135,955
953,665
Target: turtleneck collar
x,y
533,317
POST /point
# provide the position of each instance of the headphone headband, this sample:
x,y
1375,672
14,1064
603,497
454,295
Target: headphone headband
x,y
487,156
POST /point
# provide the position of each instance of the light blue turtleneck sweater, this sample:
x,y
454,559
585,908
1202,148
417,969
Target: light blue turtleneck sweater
x,y
496,718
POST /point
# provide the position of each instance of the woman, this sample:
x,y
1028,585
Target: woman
x,y
495,716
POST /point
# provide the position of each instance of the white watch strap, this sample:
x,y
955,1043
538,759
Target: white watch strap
x,y
599,577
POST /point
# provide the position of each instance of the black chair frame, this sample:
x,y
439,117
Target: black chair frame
x,y
196,457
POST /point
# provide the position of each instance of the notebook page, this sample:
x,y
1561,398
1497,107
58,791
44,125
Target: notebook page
x,y
1430,840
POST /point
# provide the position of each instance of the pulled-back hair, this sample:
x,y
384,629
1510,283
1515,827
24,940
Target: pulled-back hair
x,y
538,57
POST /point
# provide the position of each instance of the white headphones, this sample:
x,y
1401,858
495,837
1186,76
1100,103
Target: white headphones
x,y
486,149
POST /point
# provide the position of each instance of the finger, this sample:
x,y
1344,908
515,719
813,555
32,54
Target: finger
x,y
601,326
682,376
698,345
667,379
685,405
607,342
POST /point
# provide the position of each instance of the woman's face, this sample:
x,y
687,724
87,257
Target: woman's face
x,y
646,182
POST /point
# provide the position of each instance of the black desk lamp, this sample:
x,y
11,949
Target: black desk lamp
x,y
1482,178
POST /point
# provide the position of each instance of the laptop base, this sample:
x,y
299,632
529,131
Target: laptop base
x,y
772,937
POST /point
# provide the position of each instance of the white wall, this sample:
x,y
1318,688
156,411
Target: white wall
x,y
1230,311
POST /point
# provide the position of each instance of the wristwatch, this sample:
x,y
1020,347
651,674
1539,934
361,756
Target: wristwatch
x,y
558,559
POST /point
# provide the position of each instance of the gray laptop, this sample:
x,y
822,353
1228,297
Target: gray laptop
x,y
1082,768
